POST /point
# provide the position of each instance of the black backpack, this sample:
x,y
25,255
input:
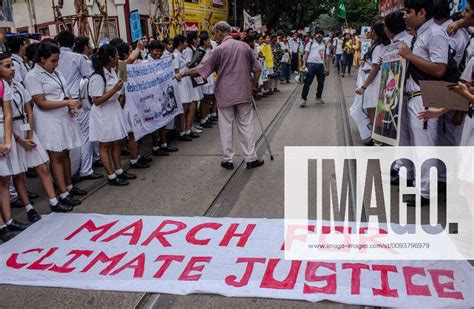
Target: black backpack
x,y
452,74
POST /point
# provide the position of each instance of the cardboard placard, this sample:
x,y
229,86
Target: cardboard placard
x,y
436,94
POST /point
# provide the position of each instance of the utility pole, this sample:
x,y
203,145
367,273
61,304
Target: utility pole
x,y
235,12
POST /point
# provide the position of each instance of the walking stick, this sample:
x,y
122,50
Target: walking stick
x,y
254,105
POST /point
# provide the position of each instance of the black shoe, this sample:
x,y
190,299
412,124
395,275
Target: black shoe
x,y
369,143
75,191
33,216
169,149
6,234
411,202
214,118
227,165
194,135
212,123
16,226
139,165
185,138
97,164
206,125
117,182
145,160
93,176
276,90
127,176
17,204
124,152
70,200
32,195
31,173
76,178
61,208
160,153
254,164
395,181
270,92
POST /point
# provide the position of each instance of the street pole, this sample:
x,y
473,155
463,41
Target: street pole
x,y
235,13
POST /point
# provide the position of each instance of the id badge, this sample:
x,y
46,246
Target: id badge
x,y
25,127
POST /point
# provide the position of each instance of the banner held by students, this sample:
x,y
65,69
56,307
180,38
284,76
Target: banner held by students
x,y
386,126
252,22
226,256
151,99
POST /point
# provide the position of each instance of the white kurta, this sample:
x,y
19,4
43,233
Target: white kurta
x,y
56,128
107,121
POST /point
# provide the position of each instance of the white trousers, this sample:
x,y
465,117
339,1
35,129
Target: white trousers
x,y
414,133
88,147
242,114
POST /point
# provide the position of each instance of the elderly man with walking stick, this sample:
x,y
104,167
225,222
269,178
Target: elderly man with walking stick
x,y
238,75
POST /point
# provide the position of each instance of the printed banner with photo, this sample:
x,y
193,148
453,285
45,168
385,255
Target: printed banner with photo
x,y
151,99
386,127
226,256
252,22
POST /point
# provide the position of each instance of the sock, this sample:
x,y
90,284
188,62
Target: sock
x,y
182,133
64,195
28,207
139,156
165,145
133,161
69,188
3,226
112,177
188,132
9,222
214,114
156,148
53,201
119,172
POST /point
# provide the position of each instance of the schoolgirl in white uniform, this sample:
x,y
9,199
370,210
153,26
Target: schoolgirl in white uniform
x,y
10,164
30,151
57,131
368,84
207,89
192,40
108,125
185,90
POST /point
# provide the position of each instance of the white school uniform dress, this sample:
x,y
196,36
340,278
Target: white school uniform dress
x,y
107,121
10,164
38,155
56,129
185,87
196,93
371,94
21,68
208,89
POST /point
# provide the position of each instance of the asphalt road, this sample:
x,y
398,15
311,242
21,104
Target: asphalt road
x,y
192,183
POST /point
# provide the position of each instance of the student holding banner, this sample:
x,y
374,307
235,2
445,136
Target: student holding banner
x,y
107,122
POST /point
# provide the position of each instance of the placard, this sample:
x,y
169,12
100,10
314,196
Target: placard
x,y
135,26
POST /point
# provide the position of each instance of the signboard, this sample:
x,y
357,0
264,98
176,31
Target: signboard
x,y
389,6
6,14
386,126
226,256
191,26
135,26
152,102
252,22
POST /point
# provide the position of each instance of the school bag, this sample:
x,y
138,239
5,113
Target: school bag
x,y
85,98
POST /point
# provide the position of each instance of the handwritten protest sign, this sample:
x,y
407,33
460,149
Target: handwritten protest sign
x,y
151,99
227,256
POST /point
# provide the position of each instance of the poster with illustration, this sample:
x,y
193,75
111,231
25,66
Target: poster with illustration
x,y
386,127
365,45
6,14
365,32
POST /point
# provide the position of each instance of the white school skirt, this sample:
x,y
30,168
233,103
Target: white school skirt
x,y
10,164
208,89
186,92
56,129
107,122
34,157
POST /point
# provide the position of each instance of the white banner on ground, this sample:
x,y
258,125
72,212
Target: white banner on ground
x,y
226,256
253,22
151,99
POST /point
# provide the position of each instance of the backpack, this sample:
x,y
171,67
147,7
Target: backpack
x,y
85,98
452,74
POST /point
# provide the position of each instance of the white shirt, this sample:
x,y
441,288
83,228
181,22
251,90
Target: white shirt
x,y
53,86
432,45
467,74
458,41
179,62
316,52
7,96
73,67
404,37
377,53
21,68
294,44
188,54
20,96
339,48
97,87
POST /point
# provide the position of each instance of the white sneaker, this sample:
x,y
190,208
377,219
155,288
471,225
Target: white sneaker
x,y
198,126
320,101
195,130
303,103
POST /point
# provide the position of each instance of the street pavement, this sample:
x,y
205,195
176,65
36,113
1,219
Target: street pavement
x,y
192,183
